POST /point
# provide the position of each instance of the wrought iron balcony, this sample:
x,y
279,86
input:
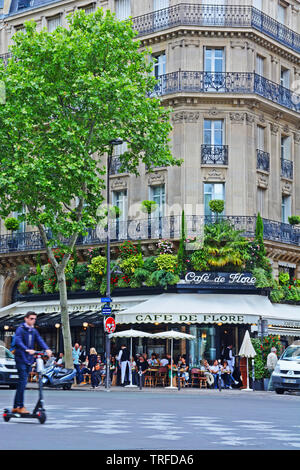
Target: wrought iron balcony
x,y
221,16
262,160
153,229
214,154
227,82
287,168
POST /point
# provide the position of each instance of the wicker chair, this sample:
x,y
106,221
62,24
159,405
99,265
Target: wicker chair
x,y
161,377
195,376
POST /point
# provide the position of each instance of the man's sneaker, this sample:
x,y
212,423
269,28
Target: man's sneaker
x,y
236,382
23,411
15,410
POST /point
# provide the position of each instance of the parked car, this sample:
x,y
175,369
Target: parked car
x,y
286,375
8,372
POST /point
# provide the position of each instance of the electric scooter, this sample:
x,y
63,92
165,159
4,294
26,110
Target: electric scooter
x,y
39,412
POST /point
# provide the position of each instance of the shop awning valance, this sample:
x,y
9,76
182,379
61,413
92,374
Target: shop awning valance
x,y
198,308
276,330
285,315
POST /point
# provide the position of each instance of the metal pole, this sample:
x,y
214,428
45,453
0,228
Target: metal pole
x,y
107,339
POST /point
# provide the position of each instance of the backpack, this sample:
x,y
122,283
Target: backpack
x,y
13,345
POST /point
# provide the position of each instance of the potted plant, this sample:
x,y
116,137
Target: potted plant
x,y
216,206
294,219
12,224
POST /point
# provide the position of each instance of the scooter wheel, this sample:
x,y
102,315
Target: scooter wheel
x,y
67,387
42,417
6,418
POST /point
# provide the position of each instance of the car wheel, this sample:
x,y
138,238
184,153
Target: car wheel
x,y
279,391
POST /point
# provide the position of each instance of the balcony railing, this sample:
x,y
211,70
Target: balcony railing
x,y
287,168
262,160
221,16
214,154
227,82
153,229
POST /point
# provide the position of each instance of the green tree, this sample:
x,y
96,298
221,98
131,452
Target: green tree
x,y
68,94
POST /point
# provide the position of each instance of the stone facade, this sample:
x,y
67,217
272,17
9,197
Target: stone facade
x,y
257,129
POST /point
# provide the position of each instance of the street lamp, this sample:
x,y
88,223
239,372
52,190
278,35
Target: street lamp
x,y
112,144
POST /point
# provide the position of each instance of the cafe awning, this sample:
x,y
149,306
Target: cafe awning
x,y
198,308
285,315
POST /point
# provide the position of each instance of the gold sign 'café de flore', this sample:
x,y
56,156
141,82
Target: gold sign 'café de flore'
x,y
217,308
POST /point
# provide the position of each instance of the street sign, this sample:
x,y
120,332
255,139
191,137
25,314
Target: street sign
x,y
106,310
262,328
105,299
110,325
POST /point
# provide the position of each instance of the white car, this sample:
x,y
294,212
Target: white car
x,y
286,375
8,372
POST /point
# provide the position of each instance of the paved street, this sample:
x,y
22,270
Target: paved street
x,y
189,419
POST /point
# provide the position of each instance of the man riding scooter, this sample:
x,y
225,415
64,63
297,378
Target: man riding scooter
x,y
25,338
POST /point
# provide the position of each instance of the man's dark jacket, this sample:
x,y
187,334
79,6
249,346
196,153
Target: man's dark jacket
x,y
25,338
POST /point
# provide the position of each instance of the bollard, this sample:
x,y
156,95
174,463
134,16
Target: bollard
x,y
178,377
140,376
219,377
253,376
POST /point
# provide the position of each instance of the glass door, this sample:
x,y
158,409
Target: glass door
x,y
214,68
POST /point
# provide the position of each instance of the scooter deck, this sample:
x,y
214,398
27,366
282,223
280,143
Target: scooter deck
x,y
40,415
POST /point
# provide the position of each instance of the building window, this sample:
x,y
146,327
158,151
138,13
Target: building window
x,y
158,195
213,132
214,60
88,9
160,4
286,205
213,191
281,10
260,65
53,23
159,67
257,4
260,138
285,77
123,9
119,199
285,147
261,201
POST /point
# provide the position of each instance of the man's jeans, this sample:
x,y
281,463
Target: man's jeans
x,y
23,371
79,377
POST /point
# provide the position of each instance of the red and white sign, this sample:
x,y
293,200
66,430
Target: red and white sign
x,y
110,325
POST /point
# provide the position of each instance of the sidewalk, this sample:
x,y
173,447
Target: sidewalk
x,y
185,390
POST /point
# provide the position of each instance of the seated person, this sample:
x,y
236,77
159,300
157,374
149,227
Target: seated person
x,y
153,361
60,360
214,369
207,373
183,369
164,361
226,375
141,367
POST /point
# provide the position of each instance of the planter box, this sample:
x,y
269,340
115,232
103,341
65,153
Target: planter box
x,y
259,384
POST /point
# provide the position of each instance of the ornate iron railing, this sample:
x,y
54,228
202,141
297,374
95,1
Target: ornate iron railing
x,y
287,168
221,16
214,154
153,229
227,82
262,160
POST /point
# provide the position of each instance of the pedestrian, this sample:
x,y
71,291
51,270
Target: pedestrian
x,y
229,357
83,356
25,338
92,363
76,359
271,364
123,358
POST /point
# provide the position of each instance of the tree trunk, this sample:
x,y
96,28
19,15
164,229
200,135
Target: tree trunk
x,y
66,331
